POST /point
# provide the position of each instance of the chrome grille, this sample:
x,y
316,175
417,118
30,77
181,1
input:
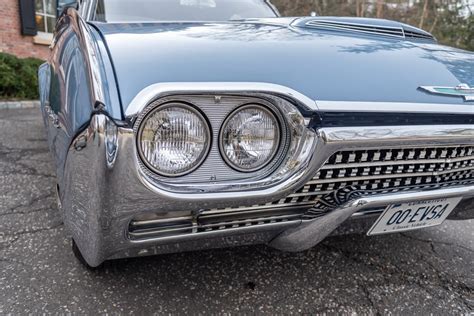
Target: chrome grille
x,y
391,31
356,27
345,176
350,174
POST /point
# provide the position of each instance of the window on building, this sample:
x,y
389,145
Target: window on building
x,y
45,16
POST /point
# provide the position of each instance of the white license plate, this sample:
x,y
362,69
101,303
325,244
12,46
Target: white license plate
x,y
413,215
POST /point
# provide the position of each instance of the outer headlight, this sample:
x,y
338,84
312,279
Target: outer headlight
x,y
173,139
249,138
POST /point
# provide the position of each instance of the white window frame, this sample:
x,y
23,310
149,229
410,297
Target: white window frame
x,y
44,38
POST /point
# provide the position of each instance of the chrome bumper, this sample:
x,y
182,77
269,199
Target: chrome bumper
x,y
311,233
103,190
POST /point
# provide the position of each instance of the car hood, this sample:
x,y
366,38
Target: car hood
x,y
327,65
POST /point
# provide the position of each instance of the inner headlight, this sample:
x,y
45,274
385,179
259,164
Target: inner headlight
x,y
249,138
174,139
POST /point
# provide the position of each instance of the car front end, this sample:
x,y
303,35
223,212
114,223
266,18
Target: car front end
x,y
319,179
263,131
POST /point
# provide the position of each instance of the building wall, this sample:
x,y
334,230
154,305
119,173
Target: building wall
x,y
11,40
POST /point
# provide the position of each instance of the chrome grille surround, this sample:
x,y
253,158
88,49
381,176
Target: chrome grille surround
x,y
347,175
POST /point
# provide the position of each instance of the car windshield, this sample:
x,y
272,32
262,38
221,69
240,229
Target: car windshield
x,y
181,10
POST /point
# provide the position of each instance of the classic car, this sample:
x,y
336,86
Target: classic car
x,y
178,125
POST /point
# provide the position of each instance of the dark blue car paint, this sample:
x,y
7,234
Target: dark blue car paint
x,y
322,65
65,89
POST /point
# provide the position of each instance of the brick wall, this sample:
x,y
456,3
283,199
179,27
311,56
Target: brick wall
x,y
11,40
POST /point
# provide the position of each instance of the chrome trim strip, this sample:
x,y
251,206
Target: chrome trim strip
x,y
89,9
394,107
389,176
401,135
138,223
394,163
91,55
217,233
270,206
368,213
158,90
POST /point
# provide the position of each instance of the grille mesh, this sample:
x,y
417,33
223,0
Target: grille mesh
x,y
351,174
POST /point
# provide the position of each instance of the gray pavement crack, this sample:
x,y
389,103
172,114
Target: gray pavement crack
x,y
352,255
12,156
436,242
9,243
24,169
12,210
22,151
28,173
443,281
43,209
34,231
373,305
446,284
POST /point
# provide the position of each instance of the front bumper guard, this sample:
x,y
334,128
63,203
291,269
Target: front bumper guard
x,y
310,233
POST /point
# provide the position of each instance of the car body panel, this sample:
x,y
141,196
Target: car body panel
x,y
66,89
319,64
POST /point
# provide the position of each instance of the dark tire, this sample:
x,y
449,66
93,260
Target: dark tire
x,y
80,258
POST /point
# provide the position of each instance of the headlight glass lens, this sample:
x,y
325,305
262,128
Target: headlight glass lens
x,y
250,138
174,139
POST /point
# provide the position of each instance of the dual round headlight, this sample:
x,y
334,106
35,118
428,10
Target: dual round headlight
x,y
175,138
249,138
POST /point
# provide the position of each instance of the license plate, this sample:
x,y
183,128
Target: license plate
x,y
413,215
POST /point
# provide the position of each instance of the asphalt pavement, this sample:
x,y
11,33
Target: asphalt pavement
x,y
422,272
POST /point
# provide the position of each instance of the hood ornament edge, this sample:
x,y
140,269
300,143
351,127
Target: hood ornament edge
x,y
462,90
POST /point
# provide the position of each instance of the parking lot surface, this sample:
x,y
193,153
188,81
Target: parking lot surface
x,y
422,272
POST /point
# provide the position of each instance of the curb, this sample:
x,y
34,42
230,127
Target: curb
x,y
19,104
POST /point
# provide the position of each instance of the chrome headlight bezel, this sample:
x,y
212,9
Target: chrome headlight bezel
x,y
173,104
278,143
214,175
